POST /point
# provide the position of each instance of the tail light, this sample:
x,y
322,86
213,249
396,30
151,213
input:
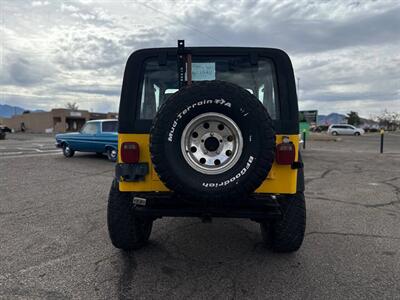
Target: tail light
x,y
130,152
285,152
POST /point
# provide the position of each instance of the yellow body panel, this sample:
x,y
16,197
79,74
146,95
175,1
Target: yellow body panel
x,y
282,179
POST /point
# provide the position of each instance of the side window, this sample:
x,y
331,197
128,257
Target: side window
x,y
109,126
156,84
90,128
267,93
150,100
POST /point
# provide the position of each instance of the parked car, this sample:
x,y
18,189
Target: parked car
x,y
319,128
371,129
345,129
3,130
99,136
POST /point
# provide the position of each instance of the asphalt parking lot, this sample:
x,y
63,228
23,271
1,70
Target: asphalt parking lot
x,y
54,240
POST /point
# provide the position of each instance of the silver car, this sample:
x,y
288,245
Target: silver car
x,y
344,129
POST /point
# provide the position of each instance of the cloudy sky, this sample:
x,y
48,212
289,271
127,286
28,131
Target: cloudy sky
x,y
346,54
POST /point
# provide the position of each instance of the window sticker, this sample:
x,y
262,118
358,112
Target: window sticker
x,y
203,71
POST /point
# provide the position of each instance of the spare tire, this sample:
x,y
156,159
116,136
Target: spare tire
x,y
212,140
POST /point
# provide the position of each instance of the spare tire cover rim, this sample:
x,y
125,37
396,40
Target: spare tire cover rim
x,y
211,143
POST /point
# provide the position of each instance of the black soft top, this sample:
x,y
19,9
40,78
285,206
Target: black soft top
x,y
130,94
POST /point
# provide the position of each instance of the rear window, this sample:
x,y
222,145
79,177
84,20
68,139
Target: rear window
x,y
110,126
160,81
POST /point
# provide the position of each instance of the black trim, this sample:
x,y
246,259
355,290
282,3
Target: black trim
x,y
162,59
297,165
253,58
288,123
300,176
131,172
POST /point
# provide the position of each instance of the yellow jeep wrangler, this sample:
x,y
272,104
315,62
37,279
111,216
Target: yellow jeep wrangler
x,y
208,132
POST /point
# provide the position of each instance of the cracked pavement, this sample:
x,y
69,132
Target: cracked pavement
x,y
54,241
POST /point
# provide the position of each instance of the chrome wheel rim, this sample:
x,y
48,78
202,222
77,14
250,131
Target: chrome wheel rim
x,y
113,153
211,143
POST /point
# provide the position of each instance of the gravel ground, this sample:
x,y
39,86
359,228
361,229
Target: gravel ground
x,y
54,241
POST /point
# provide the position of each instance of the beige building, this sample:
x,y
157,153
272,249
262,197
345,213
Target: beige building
x,y
56,120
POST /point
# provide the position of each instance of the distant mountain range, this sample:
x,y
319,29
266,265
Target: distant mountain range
x,y
7,111
332,118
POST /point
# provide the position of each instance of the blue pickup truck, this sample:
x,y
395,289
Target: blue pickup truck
x,y
99,136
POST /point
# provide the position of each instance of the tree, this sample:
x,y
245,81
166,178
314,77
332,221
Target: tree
x,y
353,118
72,106
389,120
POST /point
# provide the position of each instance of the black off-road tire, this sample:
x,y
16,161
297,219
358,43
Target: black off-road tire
x,y
126,231
229,100
67,151
287,234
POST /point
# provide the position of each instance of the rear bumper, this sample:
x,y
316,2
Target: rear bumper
x,y
58,144
257,207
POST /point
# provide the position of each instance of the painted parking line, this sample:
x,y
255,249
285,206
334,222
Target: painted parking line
x,y
38,150
10,153
48,150
28,151
29,155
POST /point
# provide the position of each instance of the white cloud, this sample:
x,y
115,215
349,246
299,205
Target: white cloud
x,y
40,3
345,54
